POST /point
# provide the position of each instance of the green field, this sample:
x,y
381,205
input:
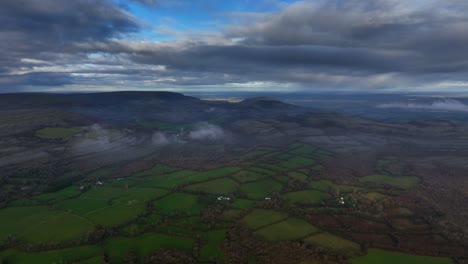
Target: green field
x,y
40,224
68,192
92,260
115,214
333,242
243,203
263,172
145,245
306,197
254,154
139,194
289,229
170,180
327,186
218,186
298,176
304,150
270,167
403,182
69,255
62,133
375,196
297,162
386,257
261,217
179,203
169,208
211,251
110,206
177,178
82,205
247,176
260,189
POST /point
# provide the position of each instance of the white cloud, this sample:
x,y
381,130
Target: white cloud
x,y
206,131
444,105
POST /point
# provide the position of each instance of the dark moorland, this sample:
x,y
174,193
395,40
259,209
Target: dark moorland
x,y
160,177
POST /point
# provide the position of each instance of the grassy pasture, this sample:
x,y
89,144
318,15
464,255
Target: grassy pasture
x,y
247,176
326,186
115,214
23,202
323,153
289,229
177,178
403,182
212,249
298,176
65,193
68,255
62,133
263,171
179,203
270,167
103,193
125,182
333,242
126,206
218,186
58,227
112,207
254,154
93,260
216,173
304,150
243,203
387,257
260,189
375,196
38,224
145,245
139,194
81,205
306,197
261,217
297,162
170,180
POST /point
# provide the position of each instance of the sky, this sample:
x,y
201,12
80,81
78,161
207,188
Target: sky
x,y
242,45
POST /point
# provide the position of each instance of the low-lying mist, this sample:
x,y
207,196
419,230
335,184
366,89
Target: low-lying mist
x,y
443,105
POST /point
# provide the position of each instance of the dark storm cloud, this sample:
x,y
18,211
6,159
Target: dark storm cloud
x,y
353,43
147,2
44,29
435,30
54,23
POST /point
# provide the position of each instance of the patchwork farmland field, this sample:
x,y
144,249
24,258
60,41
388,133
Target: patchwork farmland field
x,y
162,211
289,229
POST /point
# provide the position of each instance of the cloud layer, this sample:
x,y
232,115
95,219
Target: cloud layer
x,y
207,131
327,45
444,105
